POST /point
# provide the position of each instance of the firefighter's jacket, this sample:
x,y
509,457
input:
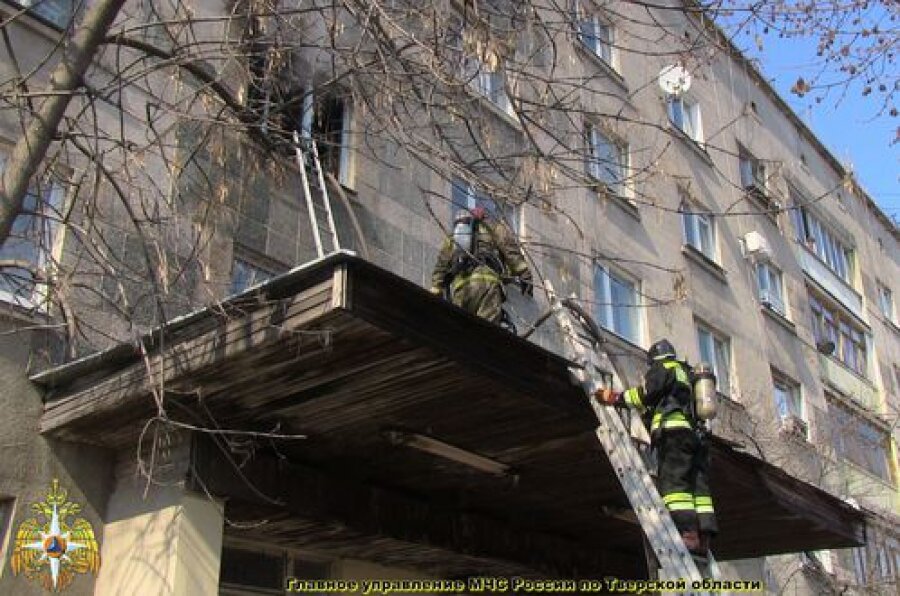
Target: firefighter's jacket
x,y
495,252
665,396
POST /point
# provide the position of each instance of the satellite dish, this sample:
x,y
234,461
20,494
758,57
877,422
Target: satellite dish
x,y
674,80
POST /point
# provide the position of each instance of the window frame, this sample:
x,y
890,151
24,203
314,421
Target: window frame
x,y
845,419
292,566
692,221
689,113
753,172
793,402
822,240
608,312
42,208
621,186
765,294
508,213
258,273
885,299
603,48
490,83
310,106
7,514
833,323
58,19
723,381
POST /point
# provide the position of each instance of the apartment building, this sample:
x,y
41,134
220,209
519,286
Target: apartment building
x,y
708,214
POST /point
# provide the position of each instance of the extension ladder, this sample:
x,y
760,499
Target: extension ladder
x,y
674,559
317,204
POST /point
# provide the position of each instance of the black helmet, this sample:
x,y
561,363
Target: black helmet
x,y
661,350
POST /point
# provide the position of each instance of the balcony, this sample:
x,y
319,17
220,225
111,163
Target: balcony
x,y
820,273
873,492
848,383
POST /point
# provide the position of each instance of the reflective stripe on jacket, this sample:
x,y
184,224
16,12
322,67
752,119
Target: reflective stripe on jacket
x,y
667,393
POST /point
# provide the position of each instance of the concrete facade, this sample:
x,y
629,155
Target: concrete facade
x,y
232,203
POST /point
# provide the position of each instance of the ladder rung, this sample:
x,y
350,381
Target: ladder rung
x,y
627,461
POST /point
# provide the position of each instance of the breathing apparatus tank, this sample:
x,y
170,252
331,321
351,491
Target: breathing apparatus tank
x,y
705,401
463,231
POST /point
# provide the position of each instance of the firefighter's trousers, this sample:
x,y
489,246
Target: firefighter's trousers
x,y
480,292
684,480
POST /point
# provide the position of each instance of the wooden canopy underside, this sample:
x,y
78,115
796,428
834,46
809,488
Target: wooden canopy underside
x,y
343,352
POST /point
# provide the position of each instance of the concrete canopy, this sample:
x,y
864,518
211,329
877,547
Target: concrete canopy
x,y
347,354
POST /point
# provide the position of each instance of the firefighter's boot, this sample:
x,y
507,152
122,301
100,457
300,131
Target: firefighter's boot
x,y
691,539
705,540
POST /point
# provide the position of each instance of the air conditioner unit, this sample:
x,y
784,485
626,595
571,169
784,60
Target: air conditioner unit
x,y
794,426
755,244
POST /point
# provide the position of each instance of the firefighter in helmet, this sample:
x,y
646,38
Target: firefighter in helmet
x,y
473,262
680,438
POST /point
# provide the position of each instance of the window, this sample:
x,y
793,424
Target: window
x,y
594,32
716,350
699,230
877,564
769,283
859,440
817,560
327,118
885,301
465,196
860,570
753,172
479,62
607,160
246,275
26,254
249,570
56,12
833,326
618,304
789,405
821,240
6,511
684,113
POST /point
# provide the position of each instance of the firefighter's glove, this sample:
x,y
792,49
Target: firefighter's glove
x,y
526,284
436,290
607,397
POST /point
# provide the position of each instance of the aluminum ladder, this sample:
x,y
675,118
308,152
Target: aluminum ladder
x,y
674,559
317,204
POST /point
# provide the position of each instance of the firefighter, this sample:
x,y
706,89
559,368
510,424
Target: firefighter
x,y
473,262
680,439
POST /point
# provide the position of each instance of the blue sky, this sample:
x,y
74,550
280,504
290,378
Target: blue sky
x,y
846,122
